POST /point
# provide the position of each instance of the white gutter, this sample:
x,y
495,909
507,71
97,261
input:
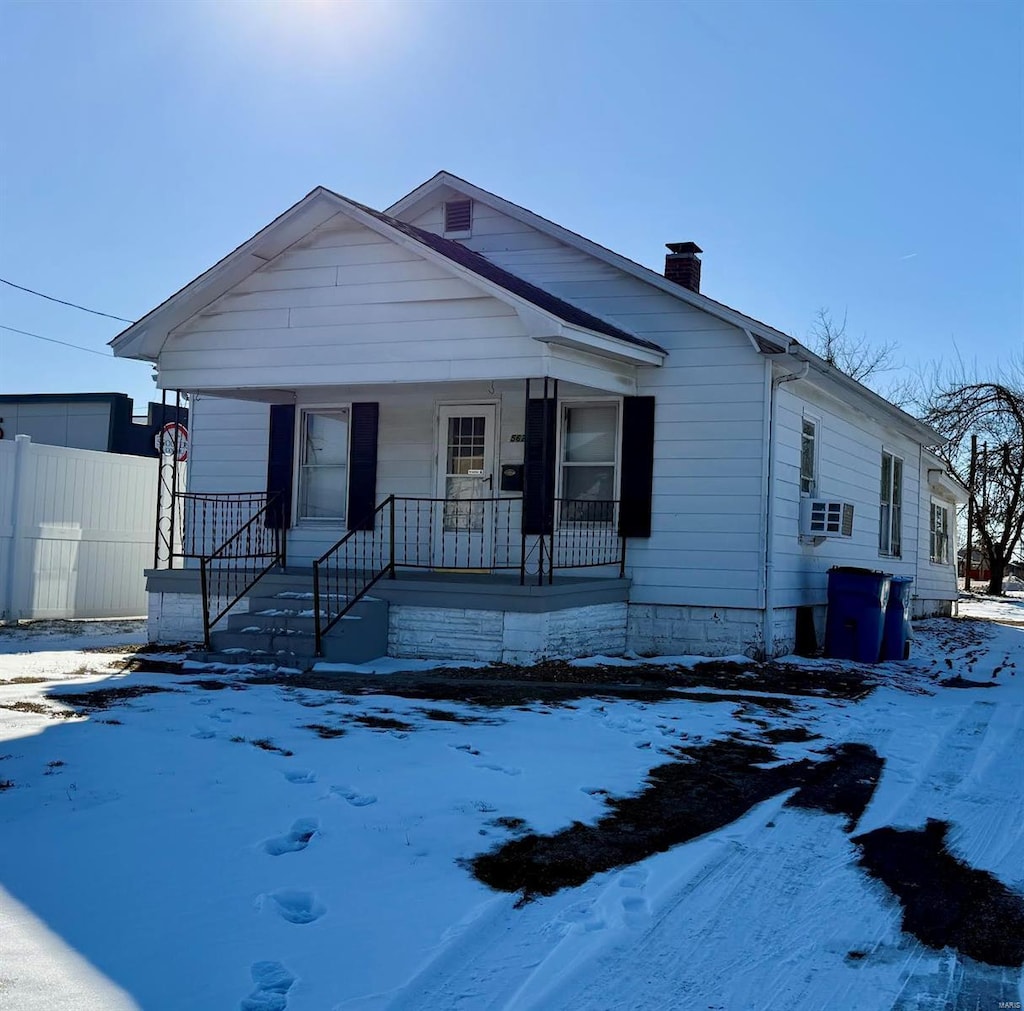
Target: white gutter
x,y
768,631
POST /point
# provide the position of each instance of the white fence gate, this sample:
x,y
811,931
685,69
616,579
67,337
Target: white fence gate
x,y
76,531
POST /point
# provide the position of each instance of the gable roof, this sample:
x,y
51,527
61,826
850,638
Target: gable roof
x,y
765,339
314,209
479,264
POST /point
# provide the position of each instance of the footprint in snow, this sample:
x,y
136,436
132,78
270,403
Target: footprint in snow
x,y
354,797
300,776
220,717
468,748
204,735
581,916
634,906
296,840
508,770
272,982
297,907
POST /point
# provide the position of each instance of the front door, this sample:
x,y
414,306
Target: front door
x,y
465,487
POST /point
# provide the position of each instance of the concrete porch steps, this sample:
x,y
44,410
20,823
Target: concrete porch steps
x,y
279,629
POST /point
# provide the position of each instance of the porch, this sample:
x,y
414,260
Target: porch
x,y
453,573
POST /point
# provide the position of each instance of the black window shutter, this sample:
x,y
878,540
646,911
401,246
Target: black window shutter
x,y
280,465
362,466
539,468
637,466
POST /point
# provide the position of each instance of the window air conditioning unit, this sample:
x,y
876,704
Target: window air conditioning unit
x,y
820,518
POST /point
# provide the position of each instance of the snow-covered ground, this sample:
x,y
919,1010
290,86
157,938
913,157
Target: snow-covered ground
x,y
158,854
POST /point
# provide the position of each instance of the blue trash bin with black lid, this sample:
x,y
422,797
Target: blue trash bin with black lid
x,y
896,634
855,622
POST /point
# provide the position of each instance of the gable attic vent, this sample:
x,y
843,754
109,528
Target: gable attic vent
x,y
458,217
682,264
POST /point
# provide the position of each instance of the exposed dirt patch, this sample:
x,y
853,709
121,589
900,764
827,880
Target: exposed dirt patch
x,y
6,784
447,716
39,709
842,786
959,682
710,787
24,681
509,823
146,666
264,744
210,685
945,902
790,735
557,682
105,698
380,722
173,647
325,731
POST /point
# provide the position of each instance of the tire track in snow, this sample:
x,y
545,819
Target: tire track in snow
x,y
715,937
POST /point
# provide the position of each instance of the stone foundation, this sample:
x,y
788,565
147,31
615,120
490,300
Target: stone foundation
x,y
668,629
175,617
506,636
922,607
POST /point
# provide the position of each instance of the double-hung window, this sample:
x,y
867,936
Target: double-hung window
x,y
323,464
890,513
590,438
808,456
939,529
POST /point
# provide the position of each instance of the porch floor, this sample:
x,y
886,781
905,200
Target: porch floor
x,y
479,591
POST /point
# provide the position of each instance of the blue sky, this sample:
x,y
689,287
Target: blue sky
x,y
868,157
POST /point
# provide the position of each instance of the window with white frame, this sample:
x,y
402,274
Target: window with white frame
x,y
323,464
589,464
808,456
890,513
939,530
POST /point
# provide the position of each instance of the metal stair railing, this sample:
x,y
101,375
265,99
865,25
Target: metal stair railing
x,y
345,572
233,569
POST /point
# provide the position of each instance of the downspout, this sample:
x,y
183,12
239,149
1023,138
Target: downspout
x,y
768,632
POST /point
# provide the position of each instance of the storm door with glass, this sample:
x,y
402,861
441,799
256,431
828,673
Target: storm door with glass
x,y
464,521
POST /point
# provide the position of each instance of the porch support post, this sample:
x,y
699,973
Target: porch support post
x,y
544,482
174,473
159,489
551,497
526,478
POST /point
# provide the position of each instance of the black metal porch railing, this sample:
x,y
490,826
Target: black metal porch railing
x,y
208,519
345,572
230,571
474,535
586,535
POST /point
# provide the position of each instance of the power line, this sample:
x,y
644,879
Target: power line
x,y
53,340
74,305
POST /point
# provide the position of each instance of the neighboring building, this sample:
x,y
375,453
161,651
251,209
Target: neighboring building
x,y
542,410
96,421
936,585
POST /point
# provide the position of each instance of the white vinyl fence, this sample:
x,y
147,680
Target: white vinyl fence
x,y
76,531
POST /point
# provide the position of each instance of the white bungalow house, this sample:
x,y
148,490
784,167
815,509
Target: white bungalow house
x,y
512,442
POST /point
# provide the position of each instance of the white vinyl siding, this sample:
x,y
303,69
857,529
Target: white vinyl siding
x,y
849,448
344,304
709,494
227,445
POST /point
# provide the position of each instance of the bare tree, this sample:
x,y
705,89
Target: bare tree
x,y
992,410
856,356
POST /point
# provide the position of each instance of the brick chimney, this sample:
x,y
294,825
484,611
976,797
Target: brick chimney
x,y
682,264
